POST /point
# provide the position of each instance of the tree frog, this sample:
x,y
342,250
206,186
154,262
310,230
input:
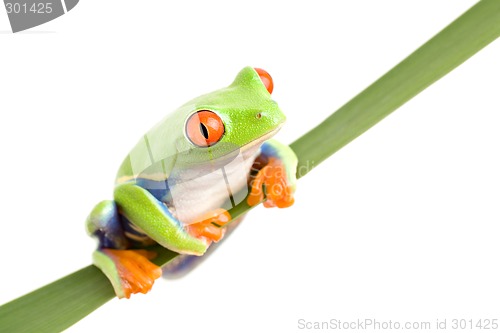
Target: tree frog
x,y
176,185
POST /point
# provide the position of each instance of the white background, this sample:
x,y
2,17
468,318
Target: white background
x,y
401,224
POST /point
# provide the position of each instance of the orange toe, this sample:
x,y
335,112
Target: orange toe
x,y
210,225
273,179
136,272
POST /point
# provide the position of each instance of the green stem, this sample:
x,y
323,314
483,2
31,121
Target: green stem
x,y
472,31
62,303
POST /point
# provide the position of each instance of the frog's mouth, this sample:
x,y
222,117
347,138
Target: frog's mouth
x,y
250,150
260,140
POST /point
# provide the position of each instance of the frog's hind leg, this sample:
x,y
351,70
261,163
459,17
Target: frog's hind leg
x,y
129,271
154,219
104,224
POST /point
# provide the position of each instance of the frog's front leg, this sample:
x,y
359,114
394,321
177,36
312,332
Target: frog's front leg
x,y
275,179
211,225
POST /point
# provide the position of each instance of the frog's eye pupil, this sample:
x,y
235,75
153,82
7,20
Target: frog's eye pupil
x,y
204,128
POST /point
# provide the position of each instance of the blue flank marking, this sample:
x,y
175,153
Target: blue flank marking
x,y
112,234
268,149
159,189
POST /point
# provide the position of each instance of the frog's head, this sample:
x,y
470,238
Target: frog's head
x,y
230,120
210,130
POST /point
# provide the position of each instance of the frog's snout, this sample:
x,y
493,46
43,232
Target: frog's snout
x,y
270,118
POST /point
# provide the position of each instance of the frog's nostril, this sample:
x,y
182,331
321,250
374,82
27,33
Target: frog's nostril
x,y
258,115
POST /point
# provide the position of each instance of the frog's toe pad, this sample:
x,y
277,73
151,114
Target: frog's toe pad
x,y
211,225
274,181
135,273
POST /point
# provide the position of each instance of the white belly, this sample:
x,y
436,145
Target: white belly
x,y
193,196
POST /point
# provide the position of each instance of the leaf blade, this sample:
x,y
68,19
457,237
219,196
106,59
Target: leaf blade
x,y
468,34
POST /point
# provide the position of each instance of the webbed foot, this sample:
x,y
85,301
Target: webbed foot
x,y
211,225
272,179
129,271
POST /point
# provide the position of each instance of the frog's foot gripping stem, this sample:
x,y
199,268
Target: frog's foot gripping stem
x,y
276,179
210,226
129,271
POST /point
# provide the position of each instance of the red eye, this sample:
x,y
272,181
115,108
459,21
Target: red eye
x,y
204,128
266,79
